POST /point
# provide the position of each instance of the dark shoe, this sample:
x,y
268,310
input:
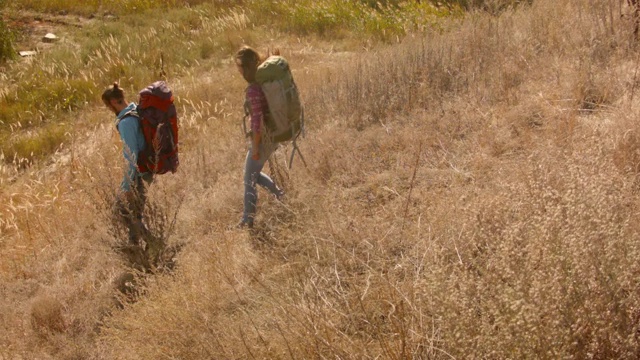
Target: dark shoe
x,y
134,240
136,257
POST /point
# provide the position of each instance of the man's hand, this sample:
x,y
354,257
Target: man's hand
x,y
127,197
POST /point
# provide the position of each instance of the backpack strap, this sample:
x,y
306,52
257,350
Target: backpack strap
x,y
297,149
132,112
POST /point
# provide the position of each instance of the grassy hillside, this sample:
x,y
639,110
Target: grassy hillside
x,y
471,192
120,40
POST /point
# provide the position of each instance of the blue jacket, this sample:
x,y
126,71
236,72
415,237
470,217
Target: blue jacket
x,y
132,143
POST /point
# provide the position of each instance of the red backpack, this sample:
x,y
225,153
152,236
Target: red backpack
x,y
159,124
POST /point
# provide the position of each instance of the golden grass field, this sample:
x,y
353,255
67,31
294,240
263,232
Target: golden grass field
x,y
472,192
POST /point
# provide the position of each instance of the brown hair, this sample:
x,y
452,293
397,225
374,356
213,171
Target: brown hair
x,y
248,57
114,92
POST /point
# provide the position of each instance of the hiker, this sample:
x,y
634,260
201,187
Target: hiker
x,y
132,197
247,61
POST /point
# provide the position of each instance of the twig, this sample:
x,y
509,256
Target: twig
x,y
413,178
633,88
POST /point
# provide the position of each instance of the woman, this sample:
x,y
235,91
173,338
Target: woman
x,y
247,61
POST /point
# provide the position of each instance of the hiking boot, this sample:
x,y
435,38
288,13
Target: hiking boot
x,y
280,195
245,224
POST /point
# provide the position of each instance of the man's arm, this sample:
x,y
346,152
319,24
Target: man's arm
x,y
128,128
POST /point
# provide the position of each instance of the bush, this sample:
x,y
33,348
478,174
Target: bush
x,y
6,41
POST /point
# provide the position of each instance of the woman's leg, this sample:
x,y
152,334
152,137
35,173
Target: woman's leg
x,y
251,170
253,175
263,179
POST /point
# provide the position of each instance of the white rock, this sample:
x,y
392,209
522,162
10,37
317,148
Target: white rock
x,y
49,38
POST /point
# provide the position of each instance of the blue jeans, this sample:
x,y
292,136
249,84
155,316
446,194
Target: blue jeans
x,y
253,176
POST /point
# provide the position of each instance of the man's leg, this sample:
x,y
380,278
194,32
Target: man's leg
x,y
154,245
137,209
130,211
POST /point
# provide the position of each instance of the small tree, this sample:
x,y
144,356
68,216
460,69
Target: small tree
x,y
6,43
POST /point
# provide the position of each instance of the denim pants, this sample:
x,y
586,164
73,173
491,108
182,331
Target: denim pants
x,y
130,212
253,175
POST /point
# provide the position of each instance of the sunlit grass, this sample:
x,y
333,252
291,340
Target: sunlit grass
x,y
24,147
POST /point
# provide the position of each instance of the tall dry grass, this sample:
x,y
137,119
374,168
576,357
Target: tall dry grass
x,y
470,193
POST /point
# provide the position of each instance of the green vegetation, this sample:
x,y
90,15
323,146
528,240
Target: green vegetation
x,y
23,149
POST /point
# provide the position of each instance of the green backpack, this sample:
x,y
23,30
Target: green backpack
x,y
286,115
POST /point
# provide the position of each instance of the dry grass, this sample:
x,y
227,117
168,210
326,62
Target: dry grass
x,y
470,194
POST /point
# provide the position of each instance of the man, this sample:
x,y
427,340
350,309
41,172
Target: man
x,y
132,198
